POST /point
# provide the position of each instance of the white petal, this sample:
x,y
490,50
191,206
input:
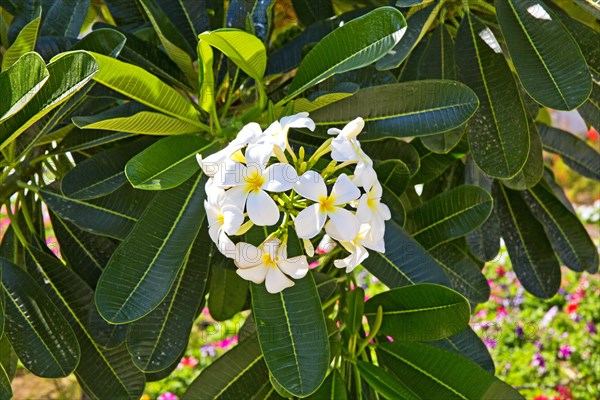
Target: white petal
x,y
275,135
296,267
353,260
249,134
226,246
247,256
262,209
377,228
344,190
384,211
256,274
364,175
233,218
300,120
230,174
353,128
276,281
257,155
311,186
342,150
363,211
310,221
213,231
236,196
280,177
333,131
343,225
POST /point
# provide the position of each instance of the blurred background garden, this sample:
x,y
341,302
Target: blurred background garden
x,y
548,349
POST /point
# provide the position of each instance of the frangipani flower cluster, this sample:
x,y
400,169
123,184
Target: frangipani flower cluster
x,y
259,181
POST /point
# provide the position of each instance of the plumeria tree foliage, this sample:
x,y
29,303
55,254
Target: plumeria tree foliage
x,y
184,148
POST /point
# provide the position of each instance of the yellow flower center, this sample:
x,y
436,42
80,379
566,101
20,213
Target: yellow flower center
x,y
268,261
254,180
371,202
221,219
326,203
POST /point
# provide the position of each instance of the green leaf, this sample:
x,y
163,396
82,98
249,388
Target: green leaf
x,y
228,291
78,139
104,41
538,44
244,49
292,334
435,373
170,37
404,262
394,149
167,163
577,154
449,215
68,74
356,306
529,249
41,337
100,174
418,25
239,373
306,105
468,344
113,215
567,235
311,11
590,110
21,81
464,273
384,383
393,174
420,312
498,133
206,97
156,340
101,373
353,45
142,86
408,109
332,388
8,358
24,43
64,18
152,254
533,170
5,386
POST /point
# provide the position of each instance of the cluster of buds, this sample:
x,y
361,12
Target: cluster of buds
x,y
253,178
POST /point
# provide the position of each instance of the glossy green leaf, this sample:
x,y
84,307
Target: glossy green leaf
x,y
393,174
206,98
244,49
306,105
384,382
468,344
254,16
113,215
68,74
464,273
105,41
432,165
404,262
353,45
590,110
498,133
171,38
418,25
435,373
228,291
420,312
41,337
100,174
577,154
538,44
5,380
408,109
530,251
24,43
156,340
533,170
567,235
142,86
167,163
21,81
356,306
79,139
449,215
311,11
8,358
292,334
239,373
394,149
64,18
151,254
101,373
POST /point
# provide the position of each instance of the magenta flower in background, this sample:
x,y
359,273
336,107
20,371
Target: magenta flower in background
x,y
313,265
540,362
189,362
490,343
167,396
591,328
565,351
226,343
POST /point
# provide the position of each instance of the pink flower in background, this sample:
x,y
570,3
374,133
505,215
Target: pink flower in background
x,y
167,396
226,343
490,343
501,313
313,265
541,397
500,271
572,308
540,362
189,362
482,313
565,351
205,311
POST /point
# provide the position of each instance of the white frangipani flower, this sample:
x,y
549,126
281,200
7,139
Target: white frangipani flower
x,y
370,209
346,148
250,183
276,133
223,219
342,225
269,263
358,248
212,164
